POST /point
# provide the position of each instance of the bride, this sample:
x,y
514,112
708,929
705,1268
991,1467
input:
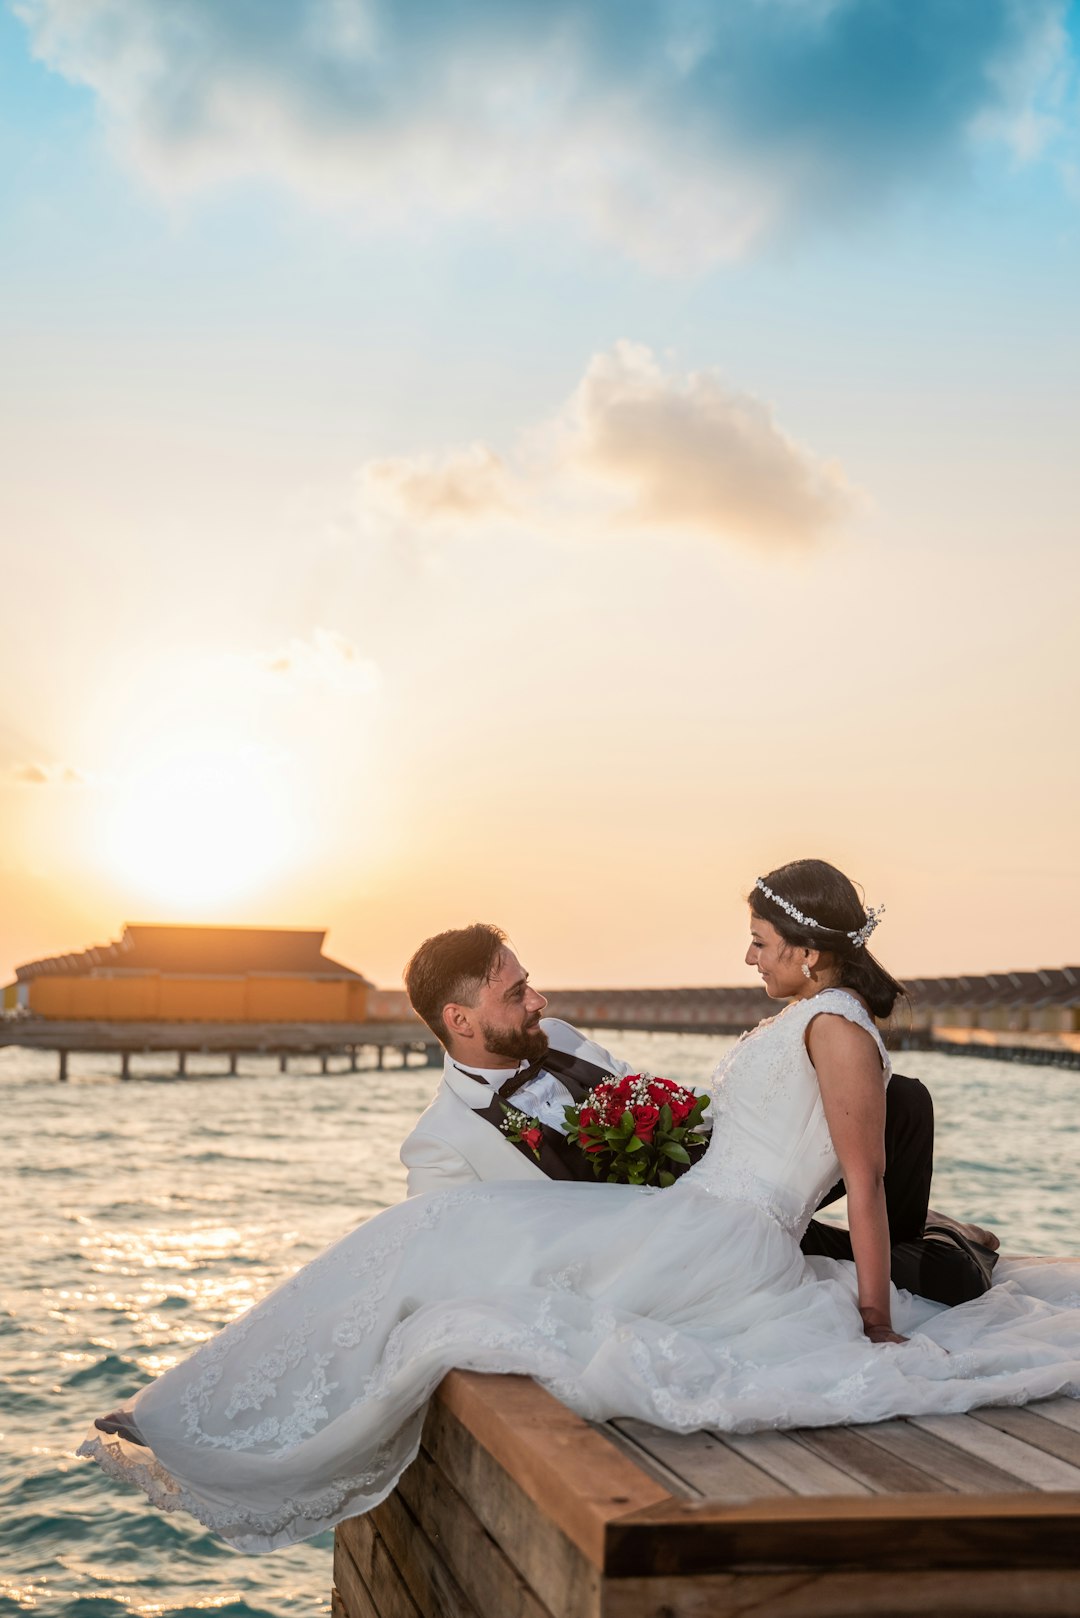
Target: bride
x,y
691,1307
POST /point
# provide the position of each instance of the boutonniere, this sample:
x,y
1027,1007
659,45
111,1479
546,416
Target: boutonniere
x,y
519,1127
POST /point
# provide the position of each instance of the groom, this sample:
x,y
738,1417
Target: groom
x,y
475,996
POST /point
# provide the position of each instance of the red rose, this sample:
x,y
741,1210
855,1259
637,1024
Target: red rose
x,y
681,1109
532,1138
658,1092
646,1119
594,1146
586,1116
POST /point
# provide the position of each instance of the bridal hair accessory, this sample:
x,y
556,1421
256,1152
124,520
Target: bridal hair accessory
x,y
858,937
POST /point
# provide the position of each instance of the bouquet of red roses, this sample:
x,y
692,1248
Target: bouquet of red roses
x,y
635,1128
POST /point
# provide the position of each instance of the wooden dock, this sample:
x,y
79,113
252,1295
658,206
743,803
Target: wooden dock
x,y
516,1508
230,1040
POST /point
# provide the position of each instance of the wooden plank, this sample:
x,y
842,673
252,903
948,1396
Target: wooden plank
x,y
902,1532
388,1590
420,1567
953,1468
566,1581
1006,1593
368,1573
337,1606
1064,1411
355,1595
1030,1428
699,1464
1042,1471
648,1462
793,1464
356,1536
575,1477
881,1471
486,1575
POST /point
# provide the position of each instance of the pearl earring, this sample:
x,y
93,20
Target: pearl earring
x,y
806,969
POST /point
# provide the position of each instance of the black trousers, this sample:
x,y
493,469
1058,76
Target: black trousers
x,y
936,1264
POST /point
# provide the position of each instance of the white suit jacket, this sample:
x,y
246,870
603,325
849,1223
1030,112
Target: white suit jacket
x,y
451,1145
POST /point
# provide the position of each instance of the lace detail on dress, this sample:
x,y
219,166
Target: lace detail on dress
x,y
293,1519
372,1272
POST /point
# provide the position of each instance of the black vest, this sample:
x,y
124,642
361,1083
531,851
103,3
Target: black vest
x,y
558,1157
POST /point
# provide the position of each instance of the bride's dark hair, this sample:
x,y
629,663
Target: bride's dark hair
x,y
825,895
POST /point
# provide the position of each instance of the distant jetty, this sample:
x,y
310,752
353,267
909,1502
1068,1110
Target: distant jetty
x,y
272,991
1010,1016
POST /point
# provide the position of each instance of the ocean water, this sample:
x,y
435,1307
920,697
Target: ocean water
x,y
139,1218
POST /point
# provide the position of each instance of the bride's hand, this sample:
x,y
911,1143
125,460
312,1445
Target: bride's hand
x,y
877,1326
882,1334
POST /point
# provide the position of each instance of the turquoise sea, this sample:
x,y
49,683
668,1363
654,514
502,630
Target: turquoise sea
x,y
138,1218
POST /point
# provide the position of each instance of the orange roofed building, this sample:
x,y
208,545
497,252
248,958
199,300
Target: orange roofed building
x,y
194,974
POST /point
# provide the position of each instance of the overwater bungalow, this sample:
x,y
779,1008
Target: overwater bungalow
x,y
175,974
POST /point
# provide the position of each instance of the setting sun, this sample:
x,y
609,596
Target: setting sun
x,y
201,826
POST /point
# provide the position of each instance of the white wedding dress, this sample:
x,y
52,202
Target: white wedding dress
x,y
691,1307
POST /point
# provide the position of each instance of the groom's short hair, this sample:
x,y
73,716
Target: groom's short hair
x,y
449,969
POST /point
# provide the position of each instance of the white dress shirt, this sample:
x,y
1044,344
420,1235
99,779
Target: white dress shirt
x,y
543,1097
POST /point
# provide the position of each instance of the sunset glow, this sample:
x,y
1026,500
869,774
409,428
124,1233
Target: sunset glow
x,y
199,827
558,514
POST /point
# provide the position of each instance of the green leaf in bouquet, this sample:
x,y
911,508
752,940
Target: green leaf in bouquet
x,y
634,1144
677,1153
694,1118
665,1120
626,1123
666,1178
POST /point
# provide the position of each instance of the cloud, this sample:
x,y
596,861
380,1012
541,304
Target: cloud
x,y
41,775
325,659
474,483
635,448
685,130
696,454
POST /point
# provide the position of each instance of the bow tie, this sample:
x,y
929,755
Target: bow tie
x,y
514,1083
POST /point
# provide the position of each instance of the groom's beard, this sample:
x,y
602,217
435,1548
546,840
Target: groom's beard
x,y
521,1044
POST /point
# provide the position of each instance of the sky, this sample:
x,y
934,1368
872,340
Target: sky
x,y
540,463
